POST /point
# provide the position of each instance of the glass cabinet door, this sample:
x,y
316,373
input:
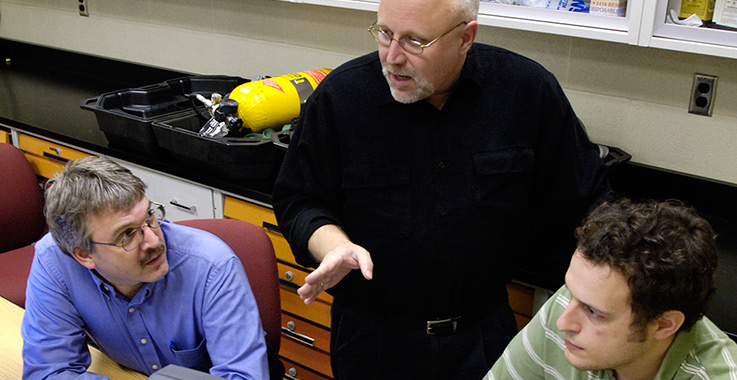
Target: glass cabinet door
x,y
712,39
643,22
502,13
622,28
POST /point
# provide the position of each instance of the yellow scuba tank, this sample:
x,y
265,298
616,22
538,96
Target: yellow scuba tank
x,y
273,102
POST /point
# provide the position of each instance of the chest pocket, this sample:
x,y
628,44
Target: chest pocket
x,y
508,160
504,180
196,358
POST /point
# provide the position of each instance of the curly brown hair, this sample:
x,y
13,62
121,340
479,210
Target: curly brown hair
x,y
666,251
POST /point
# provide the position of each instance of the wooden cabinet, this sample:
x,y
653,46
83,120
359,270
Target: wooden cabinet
x,y
261,216
521,300
294,371
47,157
305,342
291,278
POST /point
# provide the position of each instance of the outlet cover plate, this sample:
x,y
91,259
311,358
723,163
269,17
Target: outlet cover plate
x,y
702,94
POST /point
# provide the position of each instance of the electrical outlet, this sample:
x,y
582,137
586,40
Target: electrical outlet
x,y
83,10
702,94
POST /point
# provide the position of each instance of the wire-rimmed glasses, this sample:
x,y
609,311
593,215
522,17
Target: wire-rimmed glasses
x,y
409,44
133,238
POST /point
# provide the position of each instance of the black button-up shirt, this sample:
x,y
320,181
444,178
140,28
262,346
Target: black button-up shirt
x,y
448,202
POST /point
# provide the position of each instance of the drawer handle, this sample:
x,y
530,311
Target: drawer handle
x,y
301,338
291,374
271,227
288,283
54,156
191,209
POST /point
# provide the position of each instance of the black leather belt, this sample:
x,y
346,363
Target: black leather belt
x,y
442,326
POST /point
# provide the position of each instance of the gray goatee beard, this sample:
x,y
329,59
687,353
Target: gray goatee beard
x,y
423,88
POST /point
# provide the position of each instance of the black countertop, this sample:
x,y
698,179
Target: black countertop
x,y
41,90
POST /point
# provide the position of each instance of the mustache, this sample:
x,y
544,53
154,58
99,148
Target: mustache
x,y
396,70
152,252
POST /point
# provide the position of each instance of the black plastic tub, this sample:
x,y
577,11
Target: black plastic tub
x,y
126,116
228,157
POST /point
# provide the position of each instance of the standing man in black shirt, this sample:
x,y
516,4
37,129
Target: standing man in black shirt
x,y
417,178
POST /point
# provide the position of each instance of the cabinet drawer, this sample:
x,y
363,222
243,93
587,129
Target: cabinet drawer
x,y
308,357
294,371
44,148
318,311
183,199
261,216
305,333
44,167
294,277
47,157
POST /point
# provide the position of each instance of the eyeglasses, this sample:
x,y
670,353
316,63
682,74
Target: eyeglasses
x,y
133,238
409,44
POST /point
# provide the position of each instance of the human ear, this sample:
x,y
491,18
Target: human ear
x,y
84,258
668,323
469,35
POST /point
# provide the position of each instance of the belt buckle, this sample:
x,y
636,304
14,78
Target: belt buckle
x,y
442,326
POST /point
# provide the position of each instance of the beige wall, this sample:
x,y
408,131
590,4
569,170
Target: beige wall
x,y
631,97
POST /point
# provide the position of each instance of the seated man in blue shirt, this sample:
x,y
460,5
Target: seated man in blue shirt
x,y
147,292
633,305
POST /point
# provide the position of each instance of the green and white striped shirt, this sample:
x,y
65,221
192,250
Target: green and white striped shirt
x,y
704,352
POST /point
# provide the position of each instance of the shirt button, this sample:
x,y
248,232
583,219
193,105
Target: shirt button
x,y
154,367
143,341
442,165
131,309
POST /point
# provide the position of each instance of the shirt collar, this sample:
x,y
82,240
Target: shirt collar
x,y
102,284
677,352
471,74
109,290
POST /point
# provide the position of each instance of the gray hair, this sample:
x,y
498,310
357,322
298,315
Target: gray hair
x,y
87,186
468,9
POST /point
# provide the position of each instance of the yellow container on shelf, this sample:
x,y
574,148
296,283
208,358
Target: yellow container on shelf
x,y
703,9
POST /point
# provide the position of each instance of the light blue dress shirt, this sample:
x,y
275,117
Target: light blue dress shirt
x,y
202,314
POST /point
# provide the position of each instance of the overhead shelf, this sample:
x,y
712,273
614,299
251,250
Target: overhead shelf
x,y
700,40
643,24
